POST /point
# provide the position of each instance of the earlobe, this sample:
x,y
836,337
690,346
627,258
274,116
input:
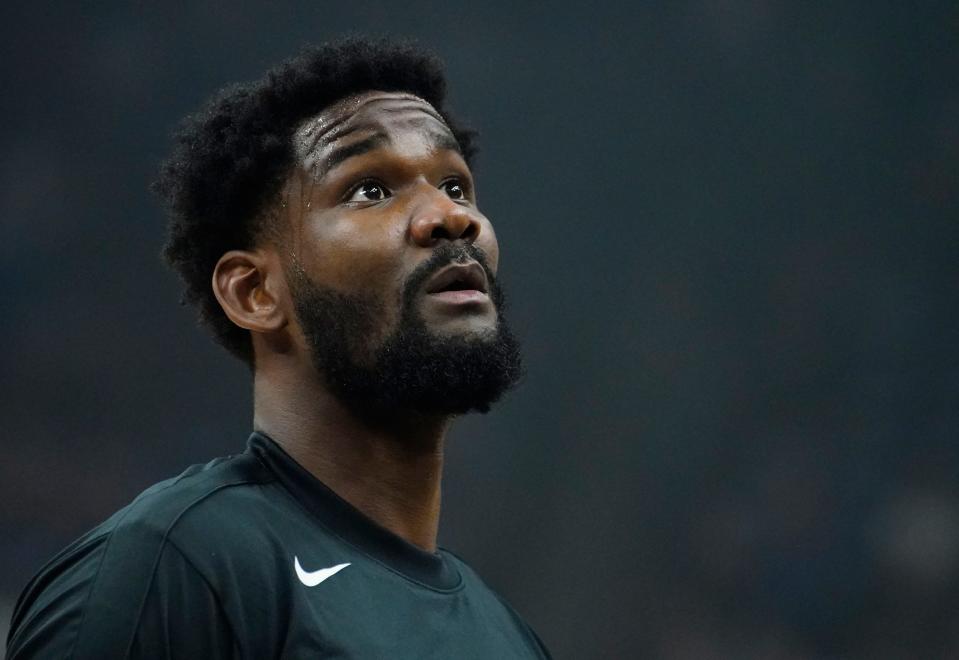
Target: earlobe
x,y
243,283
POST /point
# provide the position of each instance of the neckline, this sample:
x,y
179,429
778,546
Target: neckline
x,y
432,570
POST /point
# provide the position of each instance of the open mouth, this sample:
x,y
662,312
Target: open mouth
x,y
466,278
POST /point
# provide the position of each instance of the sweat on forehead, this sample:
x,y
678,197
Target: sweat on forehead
x,y
331,122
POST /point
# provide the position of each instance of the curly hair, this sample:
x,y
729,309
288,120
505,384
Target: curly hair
x,y
231,158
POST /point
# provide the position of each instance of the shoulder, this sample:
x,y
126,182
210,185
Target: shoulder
x,y
146,523
103,580
223,508
198,491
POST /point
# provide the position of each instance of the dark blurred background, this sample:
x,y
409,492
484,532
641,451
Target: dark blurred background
x,y
731,239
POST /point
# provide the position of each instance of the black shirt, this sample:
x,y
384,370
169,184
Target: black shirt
x,y
251,557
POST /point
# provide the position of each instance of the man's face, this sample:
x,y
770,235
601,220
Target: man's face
x,y
392,265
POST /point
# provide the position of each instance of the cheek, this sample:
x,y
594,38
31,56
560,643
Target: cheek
x,y
487,242
354,257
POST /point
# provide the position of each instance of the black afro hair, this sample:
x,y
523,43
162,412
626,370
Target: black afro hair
x,y
231,159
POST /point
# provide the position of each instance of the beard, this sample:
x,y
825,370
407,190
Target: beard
x,y
412,369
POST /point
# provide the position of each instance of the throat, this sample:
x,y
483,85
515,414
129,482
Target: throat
x,y
390,470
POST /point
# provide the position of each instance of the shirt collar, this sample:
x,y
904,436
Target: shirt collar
x,y
433,570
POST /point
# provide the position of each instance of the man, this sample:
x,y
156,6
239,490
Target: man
x,y
324,220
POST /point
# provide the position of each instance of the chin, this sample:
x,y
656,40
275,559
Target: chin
x,y
468,331
464,324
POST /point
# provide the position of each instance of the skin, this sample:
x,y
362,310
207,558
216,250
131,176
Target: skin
x,y
378,185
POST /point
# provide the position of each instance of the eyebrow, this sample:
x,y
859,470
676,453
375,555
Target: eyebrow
x,y
340,154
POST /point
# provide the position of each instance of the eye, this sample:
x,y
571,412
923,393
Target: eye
x,y
454,189
369,191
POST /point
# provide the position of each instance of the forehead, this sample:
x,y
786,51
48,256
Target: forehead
x,y
386,116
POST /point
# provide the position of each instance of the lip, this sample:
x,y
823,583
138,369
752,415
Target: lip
x,y
470,277
460,296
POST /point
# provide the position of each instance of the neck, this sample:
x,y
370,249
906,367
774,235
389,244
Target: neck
x,y
390,469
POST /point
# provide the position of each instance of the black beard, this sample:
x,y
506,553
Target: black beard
x,y
413,369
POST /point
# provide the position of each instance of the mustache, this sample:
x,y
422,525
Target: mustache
x,y
444,255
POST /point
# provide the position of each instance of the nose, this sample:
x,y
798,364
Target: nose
x,y
437,217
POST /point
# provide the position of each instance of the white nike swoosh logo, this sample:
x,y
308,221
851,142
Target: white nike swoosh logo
x,y
313,578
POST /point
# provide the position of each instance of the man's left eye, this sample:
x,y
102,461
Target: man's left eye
x,y
454,189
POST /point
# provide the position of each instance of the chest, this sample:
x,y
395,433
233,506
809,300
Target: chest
x,y
364,610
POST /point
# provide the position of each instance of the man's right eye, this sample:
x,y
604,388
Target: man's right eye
x,y
369,191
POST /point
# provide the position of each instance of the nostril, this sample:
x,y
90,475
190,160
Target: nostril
x,y
439,232
458,228
471,231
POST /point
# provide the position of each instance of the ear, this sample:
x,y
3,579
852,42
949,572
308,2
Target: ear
x,y
248,286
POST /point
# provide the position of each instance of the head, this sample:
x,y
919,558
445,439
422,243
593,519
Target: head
x,y
333,208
